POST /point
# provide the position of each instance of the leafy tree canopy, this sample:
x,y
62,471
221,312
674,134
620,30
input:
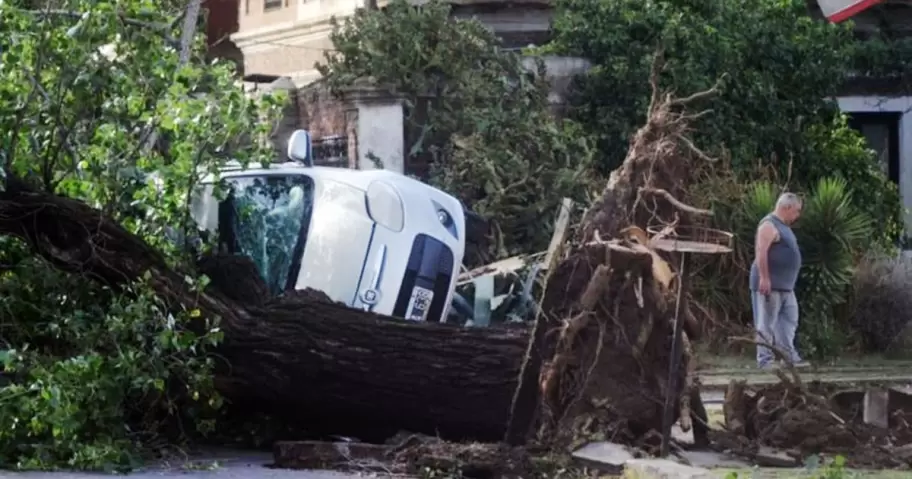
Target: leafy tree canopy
x,y
103,103
474,113
777,63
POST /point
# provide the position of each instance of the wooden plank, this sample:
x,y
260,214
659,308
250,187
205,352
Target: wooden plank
x,y
515,263
560,232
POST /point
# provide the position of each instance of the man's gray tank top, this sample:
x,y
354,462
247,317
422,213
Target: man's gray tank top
x,y
784,259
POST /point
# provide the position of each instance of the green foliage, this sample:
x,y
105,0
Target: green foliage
x,y
767,108
100,108
885,55
475,114
776,67
828,468
836,150
91,92
755,45
833,234
89,373
516,173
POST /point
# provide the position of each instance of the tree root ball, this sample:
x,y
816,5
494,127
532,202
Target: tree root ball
x,y
607,371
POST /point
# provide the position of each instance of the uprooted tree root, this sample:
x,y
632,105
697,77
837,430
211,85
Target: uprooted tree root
x,y
608,309
805,419
610,362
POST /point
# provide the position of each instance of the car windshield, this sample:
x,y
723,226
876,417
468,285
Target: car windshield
x,y
266,219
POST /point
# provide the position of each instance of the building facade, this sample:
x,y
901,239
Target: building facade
x,y
288,37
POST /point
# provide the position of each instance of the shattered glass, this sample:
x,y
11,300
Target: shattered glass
x,y
269,218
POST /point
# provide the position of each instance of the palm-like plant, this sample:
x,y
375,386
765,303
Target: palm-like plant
x,y
831,232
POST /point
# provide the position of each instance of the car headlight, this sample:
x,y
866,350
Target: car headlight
x,y
444,217
385,206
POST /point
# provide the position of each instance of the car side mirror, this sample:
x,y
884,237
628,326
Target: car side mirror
x,y
300,147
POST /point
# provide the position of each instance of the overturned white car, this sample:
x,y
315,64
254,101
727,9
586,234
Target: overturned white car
x,y
372,239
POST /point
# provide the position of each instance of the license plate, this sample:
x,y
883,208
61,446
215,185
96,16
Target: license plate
x,y
419,304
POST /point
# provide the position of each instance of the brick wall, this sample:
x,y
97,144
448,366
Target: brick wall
x,y
222,19
311,107
221,22
319,111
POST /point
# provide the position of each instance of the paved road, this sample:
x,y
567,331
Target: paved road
x,y
219,465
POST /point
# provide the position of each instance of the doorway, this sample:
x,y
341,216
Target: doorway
x,y
881,130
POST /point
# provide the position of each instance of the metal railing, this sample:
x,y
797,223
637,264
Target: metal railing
x,y
331,151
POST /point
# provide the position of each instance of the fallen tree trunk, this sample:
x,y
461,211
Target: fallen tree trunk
x,y
314,362
299,358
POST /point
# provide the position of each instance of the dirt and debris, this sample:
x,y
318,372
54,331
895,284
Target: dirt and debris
x,y
412,454
799,420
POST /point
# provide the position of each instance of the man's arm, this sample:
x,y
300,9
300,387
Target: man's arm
x,y
767,234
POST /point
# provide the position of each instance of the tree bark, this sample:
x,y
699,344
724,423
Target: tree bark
x,y
345,371
299,358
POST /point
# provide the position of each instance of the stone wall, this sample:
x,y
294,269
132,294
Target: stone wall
x,y
312,108
559,72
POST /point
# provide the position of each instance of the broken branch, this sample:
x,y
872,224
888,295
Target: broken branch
x,y
676,202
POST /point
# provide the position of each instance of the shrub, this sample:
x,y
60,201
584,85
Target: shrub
x,y
837,150
94,376
882,300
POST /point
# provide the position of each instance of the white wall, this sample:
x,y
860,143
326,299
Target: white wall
x,y
903,106
381,134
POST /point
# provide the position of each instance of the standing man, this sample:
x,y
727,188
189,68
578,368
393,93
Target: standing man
x,y
772,282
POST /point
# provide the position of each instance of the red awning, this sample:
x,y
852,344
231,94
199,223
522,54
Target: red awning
x,y
841,10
